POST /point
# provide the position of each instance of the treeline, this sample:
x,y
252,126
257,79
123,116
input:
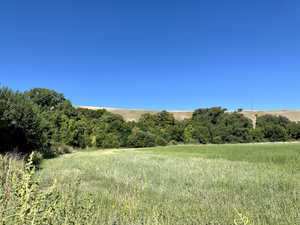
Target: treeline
x,y
41,119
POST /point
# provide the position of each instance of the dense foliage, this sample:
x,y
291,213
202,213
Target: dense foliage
x,y
21,124
40,118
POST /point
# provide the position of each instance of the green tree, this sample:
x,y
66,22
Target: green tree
x,y
294,130
90,113
139,139
73,133
165,119
177,132
264,120
209,116
257,135
234,128
274,132
196,134
20,124
111,141
46,99
274,128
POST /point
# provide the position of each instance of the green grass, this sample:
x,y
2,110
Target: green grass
x,y
210,184
285,155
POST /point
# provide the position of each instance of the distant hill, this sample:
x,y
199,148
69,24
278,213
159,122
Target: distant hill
x,y
135,114
293,115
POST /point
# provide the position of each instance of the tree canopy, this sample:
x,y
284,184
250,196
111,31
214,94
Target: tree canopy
x,y
40,118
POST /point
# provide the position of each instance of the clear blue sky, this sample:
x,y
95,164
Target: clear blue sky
x,y
158,54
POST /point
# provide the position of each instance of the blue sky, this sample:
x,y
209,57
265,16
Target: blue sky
x,y
158,54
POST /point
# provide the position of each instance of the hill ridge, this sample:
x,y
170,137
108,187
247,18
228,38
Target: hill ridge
x,y
135,114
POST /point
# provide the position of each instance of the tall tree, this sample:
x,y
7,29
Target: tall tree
x,y
46,98
20,123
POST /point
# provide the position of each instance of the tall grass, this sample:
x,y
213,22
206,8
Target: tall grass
x,y
24,201
213,184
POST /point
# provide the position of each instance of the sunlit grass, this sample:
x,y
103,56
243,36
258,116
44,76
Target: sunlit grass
x,y
213,184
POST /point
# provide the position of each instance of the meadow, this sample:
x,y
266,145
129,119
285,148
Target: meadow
x,y
255,184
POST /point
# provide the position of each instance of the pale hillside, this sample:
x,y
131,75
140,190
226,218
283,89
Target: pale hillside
x,y
135,114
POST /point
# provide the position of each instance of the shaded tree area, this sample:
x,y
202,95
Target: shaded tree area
x,y
21,124
277,128
40,118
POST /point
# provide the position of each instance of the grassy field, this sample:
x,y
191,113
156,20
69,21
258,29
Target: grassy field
x,y
253,184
